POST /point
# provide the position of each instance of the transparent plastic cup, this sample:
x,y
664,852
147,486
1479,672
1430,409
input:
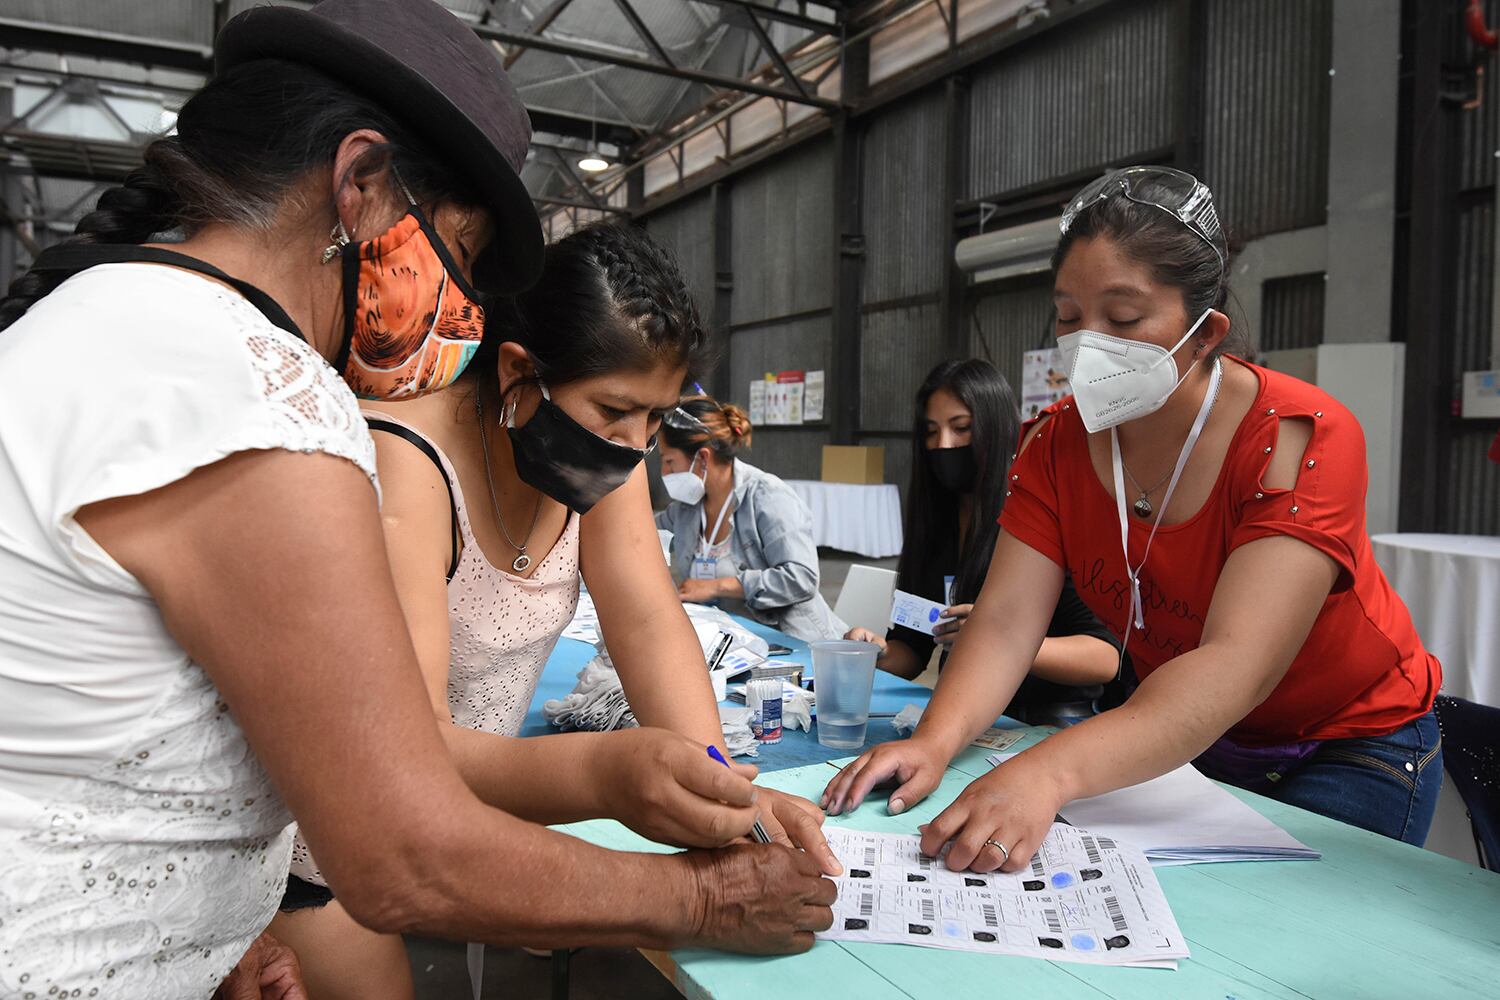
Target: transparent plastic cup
x,y
843,676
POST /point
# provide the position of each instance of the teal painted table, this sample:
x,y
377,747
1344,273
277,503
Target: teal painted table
x,y
1375,918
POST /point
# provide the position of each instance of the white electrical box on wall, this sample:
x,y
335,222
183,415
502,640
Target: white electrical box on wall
x,y
1481,394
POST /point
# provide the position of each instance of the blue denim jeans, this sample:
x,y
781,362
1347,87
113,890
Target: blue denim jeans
x,y
1387,784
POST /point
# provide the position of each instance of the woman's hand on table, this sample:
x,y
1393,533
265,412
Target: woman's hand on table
x,y
913,763
760,899
796,822
667,788
1013,805
945,632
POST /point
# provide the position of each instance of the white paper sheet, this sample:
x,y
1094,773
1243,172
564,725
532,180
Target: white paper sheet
x,y
1182,818
758,402
1083,899
812,397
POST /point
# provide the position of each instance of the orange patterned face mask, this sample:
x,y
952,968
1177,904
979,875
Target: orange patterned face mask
x,y
411,321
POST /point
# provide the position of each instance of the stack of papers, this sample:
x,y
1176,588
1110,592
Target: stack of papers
x,y
1182,818
1084,898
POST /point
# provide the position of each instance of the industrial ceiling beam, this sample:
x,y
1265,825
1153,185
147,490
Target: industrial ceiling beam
x,y
596,54
19,34
565,203
770,50
639,26
539,24
582,128
775,14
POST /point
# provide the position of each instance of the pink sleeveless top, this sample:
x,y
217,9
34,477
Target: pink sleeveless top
x,y
501,629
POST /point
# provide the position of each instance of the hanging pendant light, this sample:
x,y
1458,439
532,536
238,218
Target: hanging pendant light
x,y
593,161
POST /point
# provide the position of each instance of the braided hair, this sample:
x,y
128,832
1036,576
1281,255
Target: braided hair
x,y
610,299
241,144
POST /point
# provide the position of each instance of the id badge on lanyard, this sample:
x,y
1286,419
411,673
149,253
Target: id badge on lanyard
x,y
705,565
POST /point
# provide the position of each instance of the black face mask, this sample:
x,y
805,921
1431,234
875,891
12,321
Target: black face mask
x,y
565,460
954,468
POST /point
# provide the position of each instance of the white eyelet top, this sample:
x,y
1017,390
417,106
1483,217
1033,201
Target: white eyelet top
x,y
142,846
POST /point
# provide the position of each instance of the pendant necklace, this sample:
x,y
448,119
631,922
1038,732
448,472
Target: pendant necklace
x,y
1142,506
522,562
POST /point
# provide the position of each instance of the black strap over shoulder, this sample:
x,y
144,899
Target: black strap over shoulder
x,y
70,258
425,447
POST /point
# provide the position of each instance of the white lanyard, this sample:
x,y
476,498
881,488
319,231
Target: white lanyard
x,y
706,543
1137,607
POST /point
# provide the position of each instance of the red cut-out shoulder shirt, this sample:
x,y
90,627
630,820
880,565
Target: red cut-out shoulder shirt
x,y
1362,671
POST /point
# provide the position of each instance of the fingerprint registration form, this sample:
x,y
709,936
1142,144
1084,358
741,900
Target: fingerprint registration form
x,y
1083,898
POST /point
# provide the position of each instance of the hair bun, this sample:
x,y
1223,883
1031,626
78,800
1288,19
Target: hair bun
x,y
738,422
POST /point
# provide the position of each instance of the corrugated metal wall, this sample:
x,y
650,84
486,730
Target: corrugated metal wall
x,y
1265,127
1291,312
905,224
687,228
898,347
1474,481
1035,113
1008,321
783,234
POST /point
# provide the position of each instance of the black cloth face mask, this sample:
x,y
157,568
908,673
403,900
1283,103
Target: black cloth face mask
x,y
565,460
954,468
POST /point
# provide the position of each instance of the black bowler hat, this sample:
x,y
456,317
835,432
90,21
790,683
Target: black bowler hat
x,y
424,66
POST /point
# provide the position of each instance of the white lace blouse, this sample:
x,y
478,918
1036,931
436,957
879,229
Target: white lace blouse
x,y
142,847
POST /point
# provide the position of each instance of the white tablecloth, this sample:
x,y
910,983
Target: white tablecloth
x,y
862,519
1451,583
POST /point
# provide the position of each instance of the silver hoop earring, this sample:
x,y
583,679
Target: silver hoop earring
x,y
338,239
508,412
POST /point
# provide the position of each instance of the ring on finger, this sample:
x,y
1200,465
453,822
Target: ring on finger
x,y
1003,849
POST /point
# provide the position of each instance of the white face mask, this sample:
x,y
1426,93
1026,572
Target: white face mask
x,y
1115,380
685,487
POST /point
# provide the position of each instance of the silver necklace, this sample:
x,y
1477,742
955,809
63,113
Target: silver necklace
x,y
522,562
1142,506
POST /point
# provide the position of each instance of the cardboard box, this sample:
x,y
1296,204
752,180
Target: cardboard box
x,y
862,464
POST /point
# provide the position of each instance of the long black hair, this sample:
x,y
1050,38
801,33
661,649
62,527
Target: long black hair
x,y
610,299
242,143
931,508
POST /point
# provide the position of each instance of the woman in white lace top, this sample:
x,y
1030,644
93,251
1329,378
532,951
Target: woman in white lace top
x,y
488,551
199,634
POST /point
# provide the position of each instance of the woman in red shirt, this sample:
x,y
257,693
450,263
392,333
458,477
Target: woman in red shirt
x,y
1269,648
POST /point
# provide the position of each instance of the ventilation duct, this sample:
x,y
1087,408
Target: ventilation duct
x,y
1006,253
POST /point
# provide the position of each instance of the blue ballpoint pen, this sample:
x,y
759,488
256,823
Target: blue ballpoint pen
x,y
759,832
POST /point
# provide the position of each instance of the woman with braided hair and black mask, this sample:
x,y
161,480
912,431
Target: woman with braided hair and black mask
x,y
502,493
199,632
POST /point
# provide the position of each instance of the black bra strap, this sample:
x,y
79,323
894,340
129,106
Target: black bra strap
x,y
70,258
425,447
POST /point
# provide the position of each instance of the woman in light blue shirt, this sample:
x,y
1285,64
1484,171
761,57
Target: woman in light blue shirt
x,y
741,538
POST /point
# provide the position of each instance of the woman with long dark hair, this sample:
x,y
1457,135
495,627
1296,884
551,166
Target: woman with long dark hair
x,y
964,433
1212,513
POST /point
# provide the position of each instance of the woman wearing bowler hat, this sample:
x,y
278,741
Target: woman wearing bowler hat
x,y
199,635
